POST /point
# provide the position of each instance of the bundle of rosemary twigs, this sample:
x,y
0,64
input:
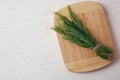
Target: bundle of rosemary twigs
x,y
73,31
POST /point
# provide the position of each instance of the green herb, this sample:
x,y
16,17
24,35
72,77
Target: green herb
x,y
73,31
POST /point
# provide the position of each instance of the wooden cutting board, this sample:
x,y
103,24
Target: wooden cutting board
x,y
79,59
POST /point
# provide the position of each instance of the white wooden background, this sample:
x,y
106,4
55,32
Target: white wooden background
x,y
30,51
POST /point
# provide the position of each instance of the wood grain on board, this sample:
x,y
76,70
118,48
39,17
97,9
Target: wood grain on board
x,y
79,59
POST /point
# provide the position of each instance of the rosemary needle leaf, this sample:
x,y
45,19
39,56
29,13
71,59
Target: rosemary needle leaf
x,y
73,31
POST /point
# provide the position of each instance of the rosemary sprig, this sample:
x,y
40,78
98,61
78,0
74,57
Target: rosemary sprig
x,y
73,31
